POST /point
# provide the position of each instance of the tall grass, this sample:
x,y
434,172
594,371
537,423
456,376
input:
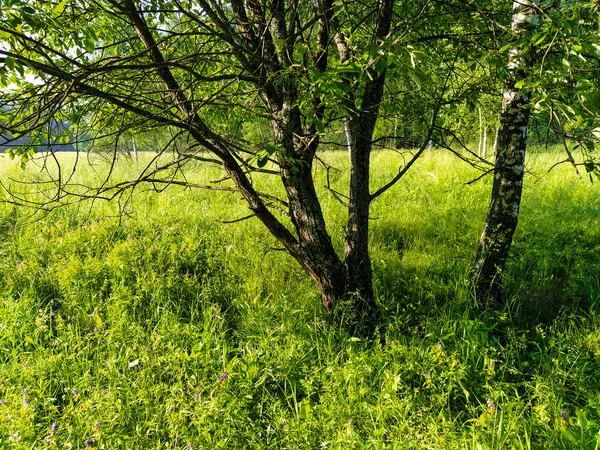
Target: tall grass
x,y
166,329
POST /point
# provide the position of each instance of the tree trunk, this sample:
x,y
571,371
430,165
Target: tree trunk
x,y
356,246
315,250
348,137
359,277
495,145
479,148
431,123
485,143
503,212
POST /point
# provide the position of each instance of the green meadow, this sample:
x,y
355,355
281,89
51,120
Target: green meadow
x,y
152,324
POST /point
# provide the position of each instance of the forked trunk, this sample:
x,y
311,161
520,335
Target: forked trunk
x,y
503,212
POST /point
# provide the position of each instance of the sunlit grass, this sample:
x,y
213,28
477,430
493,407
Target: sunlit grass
x,y
165,328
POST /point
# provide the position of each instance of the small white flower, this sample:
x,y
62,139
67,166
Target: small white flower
x,y
133,363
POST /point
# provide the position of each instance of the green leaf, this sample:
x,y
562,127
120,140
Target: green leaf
x,y
319,124
505,48
519,84
10,63
304,412
270,149
413,76
89,44
262,160
59,8
301,49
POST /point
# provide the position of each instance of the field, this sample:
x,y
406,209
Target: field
x,y
164,328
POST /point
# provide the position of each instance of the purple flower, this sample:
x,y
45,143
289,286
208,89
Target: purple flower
x,y
563,416
24,391
420,411
26,401
89,443
54,428
75,392
223,376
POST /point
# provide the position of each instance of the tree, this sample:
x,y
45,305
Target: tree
x,y
202,69
503,212
116,67
546,69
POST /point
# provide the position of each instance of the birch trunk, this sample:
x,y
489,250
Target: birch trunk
x,y
480,146
503,213
485,143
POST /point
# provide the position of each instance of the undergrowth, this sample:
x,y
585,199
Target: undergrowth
x,y
166,329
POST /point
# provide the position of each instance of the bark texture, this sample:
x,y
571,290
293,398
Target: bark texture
x,y
503,212
362,125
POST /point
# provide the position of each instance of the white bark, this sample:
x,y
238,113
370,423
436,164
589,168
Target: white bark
x,y
479,147
431,123
485,143
349,143
133,147
496,140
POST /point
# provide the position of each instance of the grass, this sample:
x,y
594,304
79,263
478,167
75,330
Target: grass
x,y
166,329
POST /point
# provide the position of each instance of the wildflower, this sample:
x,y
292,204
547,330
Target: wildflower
x,y
89,443
75,392
94,409
223,377
418,330
54,428
491,406
564,419
26,401
133,363
24,391
97,427
440,346
2,402
420,411
191,447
